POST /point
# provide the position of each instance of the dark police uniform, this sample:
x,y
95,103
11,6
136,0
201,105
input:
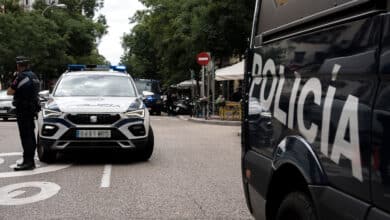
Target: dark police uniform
x,y
26,101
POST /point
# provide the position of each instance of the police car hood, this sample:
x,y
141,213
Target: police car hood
x,y
94,104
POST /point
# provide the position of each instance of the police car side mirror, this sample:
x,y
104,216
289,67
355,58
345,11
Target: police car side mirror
x,y
45,94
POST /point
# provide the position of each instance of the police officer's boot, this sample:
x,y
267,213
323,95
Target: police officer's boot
x,y
26,165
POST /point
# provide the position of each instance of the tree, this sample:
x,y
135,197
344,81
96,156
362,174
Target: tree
x,y
10,6
169,34
34,36
52,41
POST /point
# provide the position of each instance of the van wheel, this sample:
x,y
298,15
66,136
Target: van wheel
x,y
145,153
296,206
44,154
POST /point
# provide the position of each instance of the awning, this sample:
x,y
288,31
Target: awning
x,y
233,72
187,84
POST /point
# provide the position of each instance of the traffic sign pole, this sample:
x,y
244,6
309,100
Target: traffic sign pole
x,y
203,59
203,90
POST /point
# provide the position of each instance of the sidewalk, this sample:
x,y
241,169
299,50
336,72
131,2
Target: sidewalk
x,y
212,120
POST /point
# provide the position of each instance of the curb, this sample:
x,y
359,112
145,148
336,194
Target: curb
x,y
214,122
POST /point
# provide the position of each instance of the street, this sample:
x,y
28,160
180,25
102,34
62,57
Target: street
x,y
194,173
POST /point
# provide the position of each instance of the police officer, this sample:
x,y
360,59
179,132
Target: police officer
x,y
25,88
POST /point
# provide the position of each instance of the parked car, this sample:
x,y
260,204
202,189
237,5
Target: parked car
x,y
151,92
7,110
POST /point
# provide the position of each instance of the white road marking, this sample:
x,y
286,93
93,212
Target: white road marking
x,y
106,179
10,154
36,171
8,193
1,160
7,125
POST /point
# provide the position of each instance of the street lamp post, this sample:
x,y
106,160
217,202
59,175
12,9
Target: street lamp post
x,y
53,4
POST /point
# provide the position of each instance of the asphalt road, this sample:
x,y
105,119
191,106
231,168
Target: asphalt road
x,y
194,173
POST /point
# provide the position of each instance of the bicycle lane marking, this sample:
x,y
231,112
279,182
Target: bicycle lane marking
x,y
10,194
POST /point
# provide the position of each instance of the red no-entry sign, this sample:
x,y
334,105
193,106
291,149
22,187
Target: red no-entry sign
x,y
203,58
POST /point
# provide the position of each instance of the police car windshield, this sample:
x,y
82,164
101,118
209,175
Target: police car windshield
x,y
95,85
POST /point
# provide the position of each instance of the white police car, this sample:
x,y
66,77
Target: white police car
x,y
94,107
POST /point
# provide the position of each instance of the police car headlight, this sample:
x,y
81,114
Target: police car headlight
x,y
136,109
139,113
49,113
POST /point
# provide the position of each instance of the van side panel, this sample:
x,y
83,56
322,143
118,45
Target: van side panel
x,y
381,128
376,214
258,182
334,204
320,87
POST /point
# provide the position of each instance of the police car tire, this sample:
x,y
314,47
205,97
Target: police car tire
x,y
44,154
296,206
146,152
5,119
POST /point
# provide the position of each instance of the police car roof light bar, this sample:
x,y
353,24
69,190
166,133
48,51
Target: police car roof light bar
x,y
119,68
94,67
89,67
76,67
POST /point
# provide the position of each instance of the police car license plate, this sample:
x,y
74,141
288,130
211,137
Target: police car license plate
x,y
93,134
3,111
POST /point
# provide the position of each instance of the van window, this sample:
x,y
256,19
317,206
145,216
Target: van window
x,y
275,14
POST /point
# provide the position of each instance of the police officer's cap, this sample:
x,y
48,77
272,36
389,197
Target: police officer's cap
x,y
22,60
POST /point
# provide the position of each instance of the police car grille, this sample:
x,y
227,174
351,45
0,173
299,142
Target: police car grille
x,y
91,119
93,145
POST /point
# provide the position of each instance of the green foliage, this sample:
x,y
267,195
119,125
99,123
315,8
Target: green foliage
x,y
10,6
169,34
88,7
51,40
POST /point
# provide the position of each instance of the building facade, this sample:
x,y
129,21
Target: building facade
x,y
28,4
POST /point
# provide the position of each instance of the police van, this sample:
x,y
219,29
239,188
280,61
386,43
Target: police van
x,y
316,129
94,107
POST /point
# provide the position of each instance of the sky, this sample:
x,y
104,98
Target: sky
x,y
117,13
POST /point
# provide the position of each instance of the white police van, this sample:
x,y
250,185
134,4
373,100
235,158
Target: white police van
x,y
94,107
316,129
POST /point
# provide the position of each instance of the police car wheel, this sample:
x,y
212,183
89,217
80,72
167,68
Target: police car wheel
x,y
44,154
5,119
145,153
296,206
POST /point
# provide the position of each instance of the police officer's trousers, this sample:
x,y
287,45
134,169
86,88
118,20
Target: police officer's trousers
x,y
27,135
